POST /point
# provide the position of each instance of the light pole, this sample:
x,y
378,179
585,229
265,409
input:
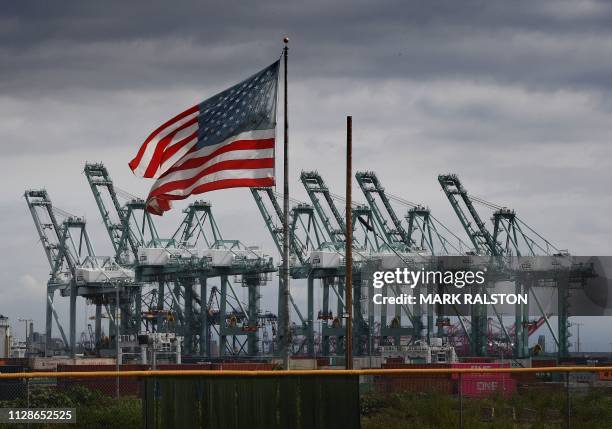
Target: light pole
x,y
578,341
117,332
27,338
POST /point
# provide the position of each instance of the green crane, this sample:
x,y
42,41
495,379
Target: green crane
x,y
71,257
510,240
306,236
129,226
424,231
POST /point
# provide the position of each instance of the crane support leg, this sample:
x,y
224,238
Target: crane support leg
x,y
252,337
204,328
563,319
430,313
310,322
73,297
223,318
98,325
188,316
325,339
48,323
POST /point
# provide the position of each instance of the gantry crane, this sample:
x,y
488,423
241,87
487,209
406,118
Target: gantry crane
x,y
479,235
195,253
307,238
75,269
423,233
335,225
129,226
515,247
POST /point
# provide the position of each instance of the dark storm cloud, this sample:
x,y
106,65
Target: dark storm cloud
x,y
141,44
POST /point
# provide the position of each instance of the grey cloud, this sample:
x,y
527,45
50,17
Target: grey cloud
x,y
74,44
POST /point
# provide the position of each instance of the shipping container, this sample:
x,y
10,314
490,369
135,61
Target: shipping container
x,y
484,384
128,386
539,363
322,362
605,375
184,367
23,362
492,384
420,366
477,359
242,366
413,383
51,363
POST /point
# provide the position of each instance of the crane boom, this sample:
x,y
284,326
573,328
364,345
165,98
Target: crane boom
x,y
335,225
129,226
394,232
475,228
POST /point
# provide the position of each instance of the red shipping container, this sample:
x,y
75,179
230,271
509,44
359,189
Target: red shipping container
x,y
413,383
185,367
418,366
488,386
243,366
484,384
477,375
539,363
129,386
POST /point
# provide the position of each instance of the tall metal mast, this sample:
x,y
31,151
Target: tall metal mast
x,y
284,295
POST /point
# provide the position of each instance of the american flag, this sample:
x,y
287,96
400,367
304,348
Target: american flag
x,y
226,141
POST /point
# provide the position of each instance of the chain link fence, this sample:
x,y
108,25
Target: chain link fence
x,y
420,398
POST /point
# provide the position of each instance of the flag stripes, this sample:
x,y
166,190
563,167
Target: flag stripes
x,y
226,141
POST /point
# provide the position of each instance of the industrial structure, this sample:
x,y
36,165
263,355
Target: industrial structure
x,y
5,337
185,285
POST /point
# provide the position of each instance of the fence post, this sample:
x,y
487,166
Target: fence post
x,y
568,400
27,380
460,401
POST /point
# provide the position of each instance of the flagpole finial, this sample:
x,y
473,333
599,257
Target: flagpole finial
x,y
285,40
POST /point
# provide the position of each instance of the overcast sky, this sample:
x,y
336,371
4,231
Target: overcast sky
x,y
514,97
